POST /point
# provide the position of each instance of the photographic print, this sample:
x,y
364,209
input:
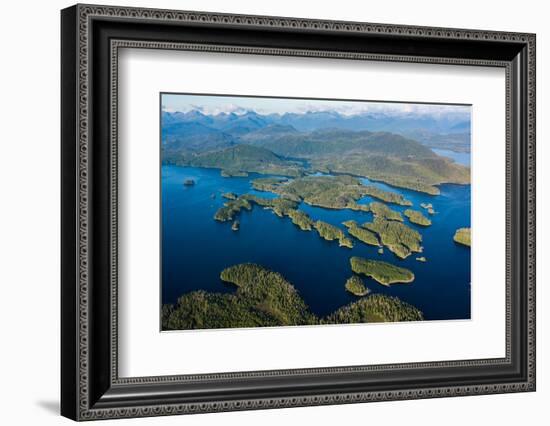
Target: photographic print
x,y
307,212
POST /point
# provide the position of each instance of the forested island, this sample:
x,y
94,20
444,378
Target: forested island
x,y
374,308
330,232
280,206
462,236
383,272
382,211
301,219
417,217
231,209
361,233
396,236
265,298
356,286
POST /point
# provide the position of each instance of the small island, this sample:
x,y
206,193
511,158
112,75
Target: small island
x,y
417,217
382,272
429,207
462,236
399,238
421,259
355,286
188,182
236,225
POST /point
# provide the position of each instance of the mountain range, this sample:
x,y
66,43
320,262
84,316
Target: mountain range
x,y
196,131
294,144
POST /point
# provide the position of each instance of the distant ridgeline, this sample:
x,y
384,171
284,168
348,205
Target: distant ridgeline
x,y
295,144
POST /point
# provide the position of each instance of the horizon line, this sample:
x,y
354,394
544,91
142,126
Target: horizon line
x,y
229,103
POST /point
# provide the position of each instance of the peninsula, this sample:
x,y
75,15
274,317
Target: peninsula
x,y
330,232
232,208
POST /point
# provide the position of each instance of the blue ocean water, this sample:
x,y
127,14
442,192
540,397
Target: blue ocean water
x,y
196,248
463,158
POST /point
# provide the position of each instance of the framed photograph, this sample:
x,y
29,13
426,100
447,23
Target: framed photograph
x,y
263,212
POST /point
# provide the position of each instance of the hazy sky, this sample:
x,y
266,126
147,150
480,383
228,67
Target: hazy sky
x,y
216,104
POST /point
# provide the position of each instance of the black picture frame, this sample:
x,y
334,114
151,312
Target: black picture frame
x,y
90,386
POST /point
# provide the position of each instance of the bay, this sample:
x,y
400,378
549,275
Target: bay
x,y
463,158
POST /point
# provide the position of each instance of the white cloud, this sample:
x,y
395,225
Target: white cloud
x,y
211,110
391,109
213,105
